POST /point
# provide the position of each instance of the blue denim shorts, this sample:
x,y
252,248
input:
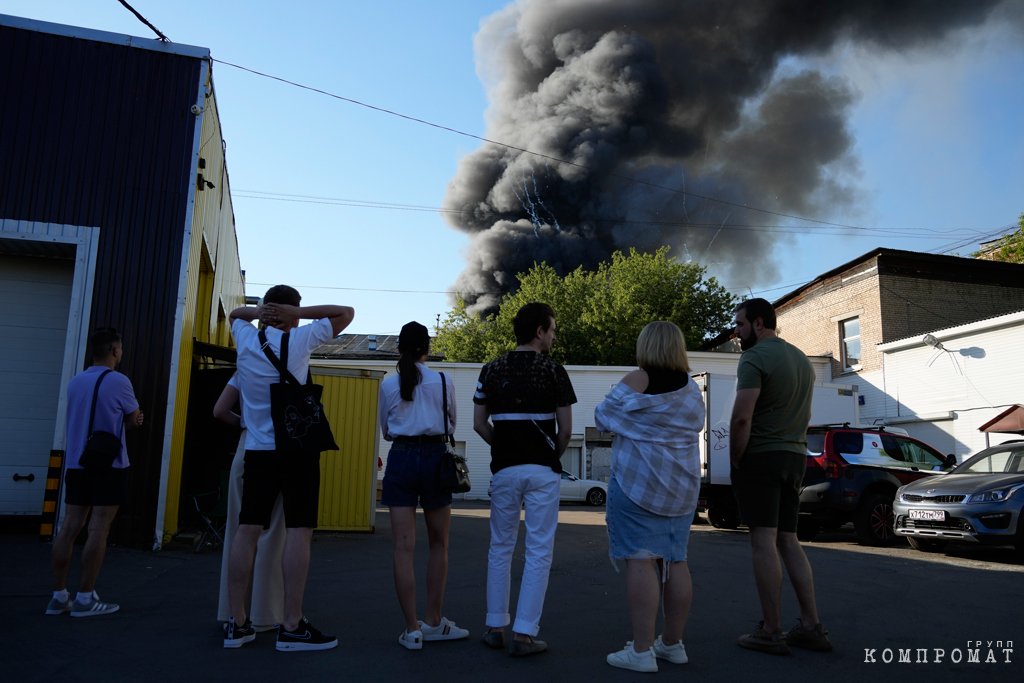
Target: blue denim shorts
x,y
411,477
636,534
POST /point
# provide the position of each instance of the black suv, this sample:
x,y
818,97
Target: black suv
x,y
852,476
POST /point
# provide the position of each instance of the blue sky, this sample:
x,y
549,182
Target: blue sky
x,y
938,142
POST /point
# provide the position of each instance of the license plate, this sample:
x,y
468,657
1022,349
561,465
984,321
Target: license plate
x,y
936,515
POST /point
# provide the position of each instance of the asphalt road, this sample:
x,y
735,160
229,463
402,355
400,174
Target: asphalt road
x,y
873,601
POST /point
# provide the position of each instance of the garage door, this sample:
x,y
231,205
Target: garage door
x,y
33,326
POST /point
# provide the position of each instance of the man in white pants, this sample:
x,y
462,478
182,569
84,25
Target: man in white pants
x,y
523,409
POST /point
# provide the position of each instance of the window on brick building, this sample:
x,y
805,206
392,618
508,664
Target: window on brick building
x,y
849,343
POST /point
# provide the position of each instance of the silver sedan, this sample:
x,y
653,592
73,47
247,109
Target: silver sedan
x,y
980,501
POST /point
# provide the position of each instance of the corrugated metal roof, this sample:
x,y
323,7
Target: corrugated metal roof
x,y
364,347
166,47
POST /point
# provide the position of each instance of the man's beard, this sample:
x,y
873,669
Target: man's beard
x,y
748,341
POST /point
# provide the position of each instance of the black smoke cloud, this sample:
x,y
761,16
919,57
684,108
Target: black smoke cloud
x,y
704,97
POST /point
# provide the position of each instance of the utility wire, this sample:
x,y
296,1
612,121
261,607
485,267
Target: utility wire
x,y
638,181
362,289
160,36
370,204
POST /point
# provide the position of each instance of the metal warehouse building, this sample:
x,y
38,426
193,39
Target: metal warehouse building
x,y
114,211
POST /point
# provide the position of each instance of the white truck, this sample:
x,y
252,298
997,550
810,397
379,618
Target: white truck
x,y
831,404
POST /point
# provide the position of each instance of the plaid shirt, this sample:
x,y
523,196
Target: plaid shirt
x,y
655,455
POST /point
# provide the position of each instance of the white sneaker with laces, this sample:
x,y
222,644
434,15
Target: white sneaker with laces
x,y
628,658
445,630
411,641
671,653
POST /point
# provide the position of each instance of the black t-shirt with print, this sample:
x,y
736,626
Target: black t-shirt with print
x,y
521,390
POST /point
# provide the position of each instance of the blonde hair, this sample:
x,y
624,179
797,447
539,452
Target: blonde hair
x,y
661,345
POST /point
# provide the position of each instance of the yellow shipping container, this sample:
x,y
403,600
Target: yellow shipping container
x,y
348,477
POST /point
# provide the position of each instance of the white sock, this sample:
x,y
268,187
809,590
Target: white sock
x,y
83,598
61,595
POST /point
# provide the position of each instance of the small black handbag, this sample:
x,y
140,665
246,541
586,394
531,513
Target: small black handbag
x,y
300,424
453,473
101,448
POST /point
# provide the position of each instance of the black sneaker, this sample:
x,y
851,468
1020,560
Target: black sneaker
x,y
236,636
305,637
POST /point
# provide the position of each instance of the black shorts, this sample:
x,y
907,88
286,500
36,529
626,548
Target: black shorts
x,y
295,477
767,488
96,487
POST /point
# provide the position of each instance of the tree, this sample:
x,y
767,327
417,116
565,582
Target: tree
x,y
1010,248
600,312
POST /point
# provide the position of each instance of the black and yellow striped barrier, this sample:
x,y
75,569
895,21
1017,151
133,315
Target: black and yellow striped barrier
x,y
51,497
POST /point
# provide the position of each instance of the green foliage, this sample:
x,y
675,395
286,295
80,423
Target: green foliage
x,y
1010,248
599,313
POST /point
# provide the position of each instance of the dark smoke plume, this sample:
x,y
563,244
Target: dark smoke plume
x,y
701,96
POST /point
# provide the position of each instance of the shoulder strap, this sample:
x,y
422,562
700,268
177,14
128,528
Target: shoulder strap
x,y
95,395
280,363
444,402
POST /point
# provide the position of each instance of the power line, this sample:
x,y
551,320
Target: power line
x,y
160,36
456,131
363,289
979,237
794,229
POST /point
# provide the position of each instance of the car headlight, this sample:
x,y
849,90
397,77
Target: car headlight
x,y
995,495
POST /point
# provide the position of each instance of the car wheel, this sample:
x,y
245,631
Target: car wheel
x,y
874,520
926,545
595,496
807,528
723,515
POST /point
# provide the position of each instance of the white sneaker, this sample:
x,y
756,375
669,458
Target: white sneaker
x,y
628,658
670,653
411,641
445,630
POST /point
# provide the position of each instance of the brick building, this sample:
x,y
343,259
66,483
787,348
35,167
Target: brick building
x,y
886,295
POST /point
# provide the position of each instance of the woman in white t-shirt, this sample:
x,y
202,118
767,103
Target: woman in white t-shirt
x,y
412,416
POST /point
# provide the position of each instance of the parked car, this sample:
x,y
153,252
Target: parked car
x,y
589,491
576,490
853,474
980,501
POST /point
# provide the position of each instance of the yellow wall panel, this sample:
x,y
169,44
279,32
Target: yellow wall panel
x,y
213,232
348,477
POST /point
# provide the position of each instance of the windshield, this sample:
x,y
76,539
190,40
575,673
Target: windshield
x,y
1006,460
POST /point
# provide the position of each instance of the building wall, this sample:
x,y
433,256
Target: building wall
x,y
102,137
890,305
811,322
945,395
913,306
213,287
349,475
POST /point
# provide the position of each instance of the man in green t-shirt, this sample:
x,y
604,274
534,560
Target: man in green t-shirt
x,y
768,451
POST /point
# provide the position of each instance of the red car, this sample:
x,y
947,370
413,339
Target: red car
x,y
852,476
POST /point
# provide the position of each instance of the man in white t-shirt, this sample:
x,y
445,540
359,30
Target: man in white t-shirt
x,y
269,473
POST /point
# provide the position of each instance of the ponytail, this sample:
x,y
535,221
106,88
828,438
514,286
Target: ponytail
x,y
408,375
413,343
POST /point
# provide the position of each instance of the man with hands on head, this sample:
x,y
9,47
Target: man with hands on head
x,y
270,473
